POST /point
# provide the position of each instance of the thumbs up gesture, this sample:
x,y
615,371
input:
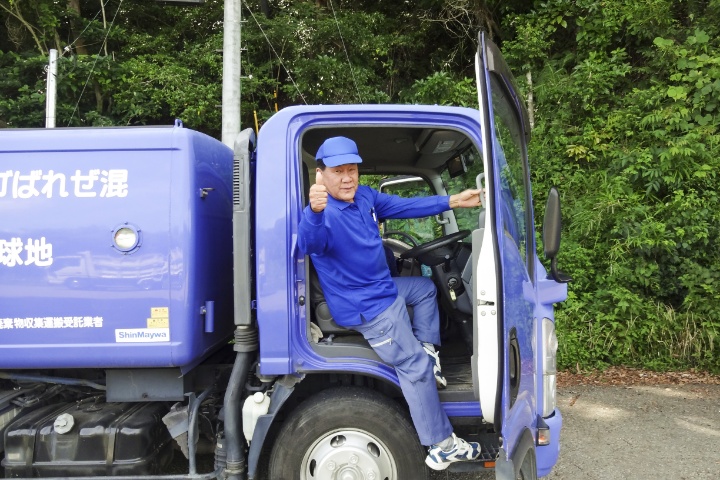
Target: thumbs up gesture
x,y
318,194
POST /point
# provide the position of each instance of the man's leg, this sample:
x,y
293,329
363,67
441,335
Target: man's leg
x,y
392,338
420,293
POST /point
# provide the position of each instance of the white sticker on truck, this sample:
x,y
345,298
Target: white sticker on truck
x,y
33,252
50,322
82,184
142,335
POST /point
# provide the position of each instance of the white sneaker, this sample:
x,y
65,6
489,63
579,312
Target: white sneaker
x,y
440,380
437,459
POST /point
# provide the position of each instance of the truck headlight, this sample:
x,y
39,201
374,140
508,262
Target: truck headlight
x,y
549,366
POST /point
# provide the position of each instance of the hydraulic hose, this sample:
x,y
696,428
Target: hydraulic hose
x,y
192,428
232,409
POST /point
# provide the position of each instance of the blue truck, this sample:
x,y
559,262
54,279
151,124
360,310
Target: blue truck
x,y
154,302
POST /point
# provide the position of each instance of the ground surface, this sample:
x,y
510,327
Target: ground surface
x,y
626,424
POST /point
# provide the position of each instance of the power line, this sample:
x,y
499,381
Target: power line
x,y
69,47
107,33
275,52
352,72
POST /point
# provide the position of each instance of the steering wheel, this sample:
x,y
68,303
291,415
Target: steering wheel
x,y
435,244
399,233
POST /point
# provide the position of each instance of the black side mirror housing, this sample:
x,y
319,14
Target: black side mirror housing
x,y
552,226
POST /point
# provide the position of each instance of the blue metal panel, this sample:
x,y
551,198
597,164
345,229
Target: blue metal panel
x,y
273,244
201,228
549,292
462,409
68,298
518,299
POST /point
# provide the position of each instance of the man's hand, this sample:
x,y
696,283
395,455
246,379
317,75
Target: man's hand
x,y
466,199
318,194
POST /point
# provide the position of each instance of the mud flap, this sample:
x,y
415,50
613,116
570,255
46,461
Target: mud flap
x,y
509,468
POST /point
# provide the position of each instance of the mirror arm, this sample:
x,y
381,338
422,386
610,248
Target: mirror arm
x,y
559,276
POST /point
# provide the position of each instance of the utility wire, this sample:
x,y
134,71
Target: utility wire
x,y
69,47
352,72
275,52
97,57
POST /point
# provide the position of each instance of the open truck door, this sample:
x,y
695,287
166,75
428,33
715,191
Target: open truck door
x,y
507,347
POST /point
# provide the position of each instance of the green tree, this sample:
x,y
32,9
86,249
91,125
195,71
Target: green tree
x,y
627,127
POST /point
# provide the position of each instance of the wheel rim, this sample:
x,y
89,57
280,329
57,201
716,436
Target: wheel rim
x,y
349,454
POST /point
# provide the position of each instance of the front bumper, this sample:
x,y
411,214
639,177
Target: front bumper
x,y
547,455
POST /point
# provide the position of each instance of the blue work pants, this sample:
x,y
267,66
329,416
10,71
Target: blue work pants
x,y
396,339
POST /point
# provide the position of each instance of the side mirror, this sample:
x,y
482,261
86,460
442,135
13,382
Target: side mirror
x,y
551,235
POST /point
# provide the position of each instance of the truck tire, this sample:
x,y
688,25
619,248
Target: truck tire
x,y
348,433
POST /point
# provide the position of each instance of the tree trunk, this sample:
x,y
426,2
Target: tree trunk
x,y
79,43
99,97
265,8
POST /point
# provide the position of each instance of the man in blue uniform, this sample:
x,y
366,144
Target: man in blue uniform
x,y
339,231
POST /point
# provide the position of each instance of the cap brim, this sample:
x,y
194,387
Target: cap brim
x,y
337,160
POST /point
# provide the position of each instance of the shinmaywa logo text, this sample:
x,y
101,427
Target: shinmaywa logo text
x,y
131,335
147,335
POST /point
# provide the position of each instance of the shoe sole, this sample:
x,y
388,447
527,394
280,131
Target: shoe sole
x,y
438,467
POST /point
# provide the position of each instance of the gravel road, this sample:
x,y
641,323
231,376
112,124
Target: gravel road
x,y
637,432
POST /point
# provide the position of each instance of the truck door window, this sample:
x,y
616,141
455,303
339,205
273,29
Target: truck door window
x,y
510,150
421,229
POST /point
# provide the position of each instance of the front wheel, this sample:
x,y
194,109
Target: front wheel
x,y
347,433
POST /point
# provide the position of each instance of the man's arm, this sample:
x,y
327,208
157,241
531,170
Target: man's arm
x,y
312,234
392,206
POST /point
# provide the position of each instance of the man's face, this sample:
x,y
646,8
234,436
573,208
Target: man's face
x,y
341,181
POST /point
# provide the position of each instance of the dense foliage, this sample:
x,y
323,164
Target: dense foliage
x,y
625,99
627,125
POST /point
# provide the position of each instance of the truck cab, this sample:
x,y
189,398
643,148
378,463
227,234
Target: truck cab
x,y
494,294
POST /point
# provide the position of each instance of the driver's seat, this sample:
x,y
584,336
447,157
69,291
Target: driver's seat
x,y
321,311
319,306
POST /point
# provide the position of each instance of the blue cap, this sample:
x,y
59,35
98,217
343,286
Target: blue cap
x,y
338,151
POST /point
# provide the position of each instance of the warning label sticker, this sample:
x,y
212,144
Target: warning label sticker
x,y
159,318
